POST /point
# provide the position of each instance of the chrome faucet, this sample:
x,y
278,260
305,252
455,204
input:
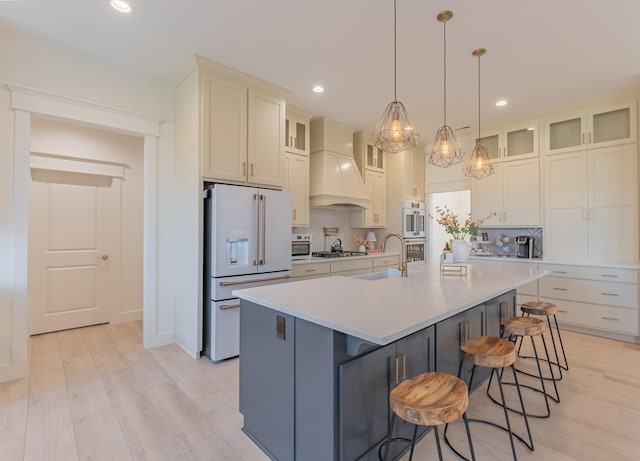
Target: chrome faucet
x,y
403,258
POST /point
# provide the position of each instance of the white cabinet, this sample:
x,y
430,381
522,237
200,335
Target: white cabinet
x,y
297,129
242,132
296,164
599,298
296,181
600,126
591,204
376,215
513,142
412,178
512,193
368,156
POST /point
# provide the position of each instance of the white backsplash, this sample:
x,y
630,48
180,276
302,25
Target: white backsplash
x,y
329,217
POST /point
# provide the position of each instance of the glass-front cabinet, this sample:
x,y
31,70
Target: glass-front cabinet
x,y
297,131
512,143
601,126
367,155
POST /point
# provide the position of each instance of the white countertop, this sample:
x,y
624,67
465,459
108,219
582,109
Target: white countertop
x,y
385,310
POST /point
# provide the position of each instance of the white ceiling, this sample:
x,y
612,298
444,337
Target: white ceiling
x,y
543,55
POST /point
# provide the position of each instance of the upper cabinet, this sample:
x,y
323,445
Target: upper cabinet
x,y
512,193
600,126
296,164
368,156
234,122
512,143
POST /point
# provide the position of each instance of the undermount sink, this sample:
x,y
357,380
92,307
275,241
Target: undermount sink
x,y
389,273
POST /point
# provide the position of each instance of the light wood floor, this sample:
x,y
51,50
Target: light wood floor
x,y
94,393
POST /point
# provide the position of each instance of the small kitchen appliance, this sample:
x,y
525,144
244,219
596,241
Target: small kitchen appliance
x,y
524,246
413,219
300,246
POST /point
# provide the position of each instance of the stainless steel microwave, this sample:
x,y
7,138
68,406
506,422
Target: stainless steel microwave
x,y
300,246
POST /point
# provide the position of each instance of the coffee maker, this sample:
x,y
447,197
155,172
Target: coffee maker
x,y
524,246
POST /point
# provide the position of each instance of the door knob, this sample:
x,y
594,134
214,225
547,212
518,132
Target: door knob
x,y
104,257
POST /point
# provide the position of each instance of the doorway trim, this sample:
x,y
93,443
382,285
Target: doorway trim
x,y
26,102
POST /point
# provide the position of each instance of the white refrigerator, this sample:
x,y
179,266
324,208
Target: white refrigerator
x,y
247,244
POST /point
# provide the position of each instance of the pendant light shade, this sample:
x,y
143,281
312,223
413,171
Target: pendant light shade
x,y
479,164
395,132
445,149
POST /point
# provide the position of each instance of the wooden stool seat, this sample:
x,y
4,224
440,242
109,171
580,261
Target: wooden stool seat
x,y
523,326
489,352
430,399
539,308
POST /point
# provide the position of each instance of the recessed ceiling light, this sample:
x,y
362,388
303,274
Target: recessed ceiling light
x,y
120,5
318,89
502,103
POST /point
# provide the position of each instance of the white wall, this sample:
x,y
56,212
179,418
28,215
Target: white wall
x,y
31,62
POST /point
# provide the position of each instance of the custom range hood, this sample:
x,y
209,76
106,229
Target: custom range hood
x,y
335,180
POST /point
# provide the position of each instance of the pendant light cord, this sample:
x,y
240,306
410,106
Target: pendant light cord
x,y
395,59
478,99
444,28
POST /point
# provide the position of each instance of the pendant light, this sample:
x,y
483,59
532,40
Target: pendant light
x,y
445,149
479,164
395,132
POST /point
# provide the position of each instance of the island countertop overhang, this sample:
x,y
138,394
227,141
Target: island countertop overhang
x,y
385,310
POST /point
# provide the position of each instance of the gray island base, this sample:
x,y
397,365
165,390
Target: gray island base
x,y
315,381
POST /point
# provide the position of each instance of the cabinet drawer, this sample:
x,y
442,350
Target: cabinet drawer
x,y
592,273
352,272
607,318
309,277
386,261
303,270
590,291
353,264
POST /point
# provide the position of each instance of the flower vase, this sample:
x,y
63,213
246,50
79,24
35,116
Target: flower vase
x,y
362,249
461,251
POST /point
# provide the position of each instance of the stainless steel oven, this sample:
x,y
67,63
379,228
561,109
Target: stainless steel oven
x,y
416,249
413,219
300,246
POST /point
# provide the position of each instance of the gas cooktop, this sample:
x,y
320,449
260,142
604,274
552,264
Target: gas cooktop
x,y
336,254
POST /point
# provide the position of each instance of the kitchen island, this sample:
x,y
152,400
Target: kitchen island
x,y
319,357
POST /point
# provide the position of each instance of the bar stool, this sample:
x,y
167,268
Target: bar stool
x,y
547,310
518,328
497,354
429,399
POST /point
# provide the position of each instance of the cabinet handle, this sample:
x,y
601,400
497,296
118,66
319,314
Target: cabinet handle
x,y
251,168
225,307
294,213
609,294
563,311
558,272
467,331
244,168
309,270
589,137
404,367
582,138
397,360
504,310
559,289
609,275
610,318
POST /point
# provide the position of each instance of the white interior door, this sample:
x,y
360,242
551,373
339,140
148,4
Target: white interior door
x,y
73,218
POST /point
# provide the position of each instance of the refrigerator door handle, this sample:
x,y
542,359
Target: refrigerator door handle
x,y
267,279
256,198
263,261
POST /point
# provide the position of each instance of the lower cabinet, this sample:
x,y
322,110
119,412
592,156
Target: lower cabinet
x,y
306,394
483,320
364,384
